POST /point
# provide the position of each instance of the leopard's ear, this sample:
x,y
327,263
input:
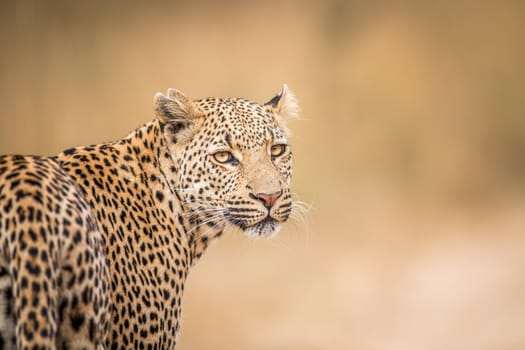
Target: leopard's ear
x,y
284,104
176,112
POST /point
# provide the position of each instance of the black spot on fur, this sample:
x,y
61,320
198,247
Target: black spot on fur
x,y
77,321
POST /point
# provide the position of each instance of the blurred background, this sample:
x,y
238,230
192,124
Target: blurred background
x,y
410,151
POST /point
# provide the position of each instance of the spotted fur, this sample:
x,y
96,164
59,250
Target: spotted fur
x,y
96,243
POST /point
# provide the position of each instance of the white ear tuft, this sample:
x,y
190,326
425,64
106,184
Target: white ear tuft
x,y
285,104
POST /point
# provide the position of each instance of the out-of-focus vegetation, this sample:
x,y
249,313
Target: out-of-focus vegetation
x,y
411,151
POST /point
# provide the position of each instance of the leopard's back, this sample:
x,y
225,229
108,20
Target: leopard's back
x,y
53,274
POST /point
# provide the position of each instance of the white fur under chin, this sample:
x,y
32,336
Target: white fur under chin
x,y
263,230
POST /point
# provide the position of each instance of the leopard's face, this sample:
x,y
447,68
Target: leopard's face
x,y
236,164
238,167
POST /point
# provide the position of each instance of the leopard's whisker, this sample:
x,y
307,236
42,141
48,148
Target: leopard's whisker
x,y
204,211
205,233
299,211
200,224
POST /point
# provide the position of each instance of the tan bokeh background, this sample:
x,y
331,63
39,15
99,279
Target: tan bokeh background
x,y
411,152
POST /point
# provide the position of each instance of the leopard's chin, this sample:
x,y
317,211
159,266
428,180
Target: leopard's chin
x,y
265,229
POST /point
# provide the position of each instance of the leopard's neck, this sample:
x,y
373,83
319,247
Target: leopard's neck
x,y
149,171
164,166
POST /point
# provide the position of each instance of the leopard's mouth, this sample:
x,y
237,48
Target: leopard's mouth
x,y
267,228
264,229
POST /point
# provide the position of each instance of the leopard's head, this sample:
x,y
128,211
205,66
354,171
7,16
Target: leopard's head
x,y
233,159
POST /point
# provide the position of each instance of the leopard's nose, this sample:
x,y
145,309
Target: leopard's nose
x,y
268,199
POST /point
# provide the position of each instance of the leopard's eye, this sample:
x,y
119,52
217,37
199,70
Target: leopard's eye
x,y
224,157
277,150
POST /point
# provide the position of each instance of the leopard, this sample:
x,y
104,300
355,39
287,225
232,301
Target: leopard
x,y
96,242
